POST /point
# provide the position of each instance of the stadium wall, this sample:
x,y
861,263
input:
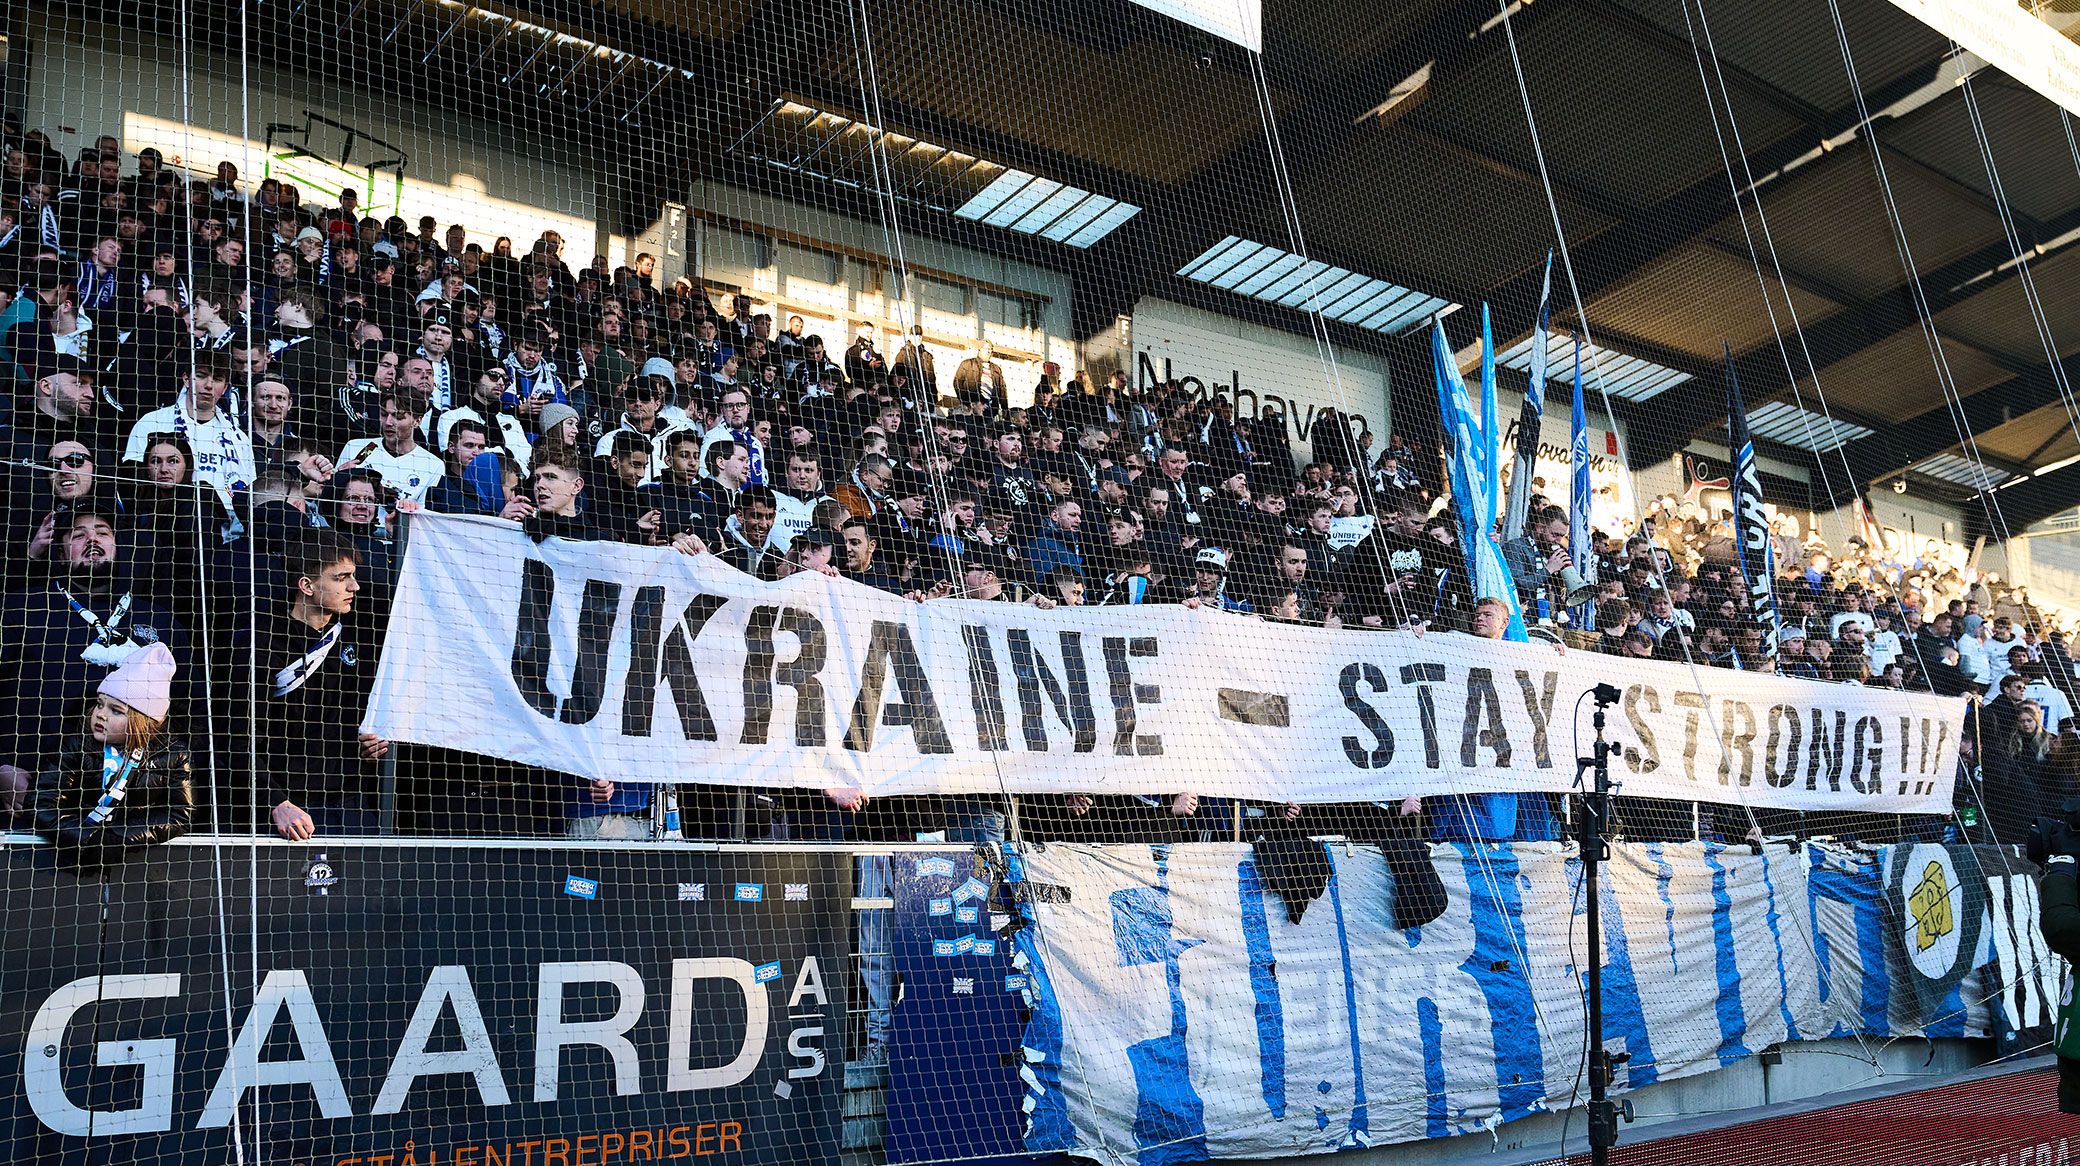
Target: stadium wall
x,y
1166,339
2046,558
468,171
1806,1070
831,270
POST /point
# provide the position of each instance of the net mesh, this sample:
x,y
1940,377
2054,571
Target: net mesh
x,y
567,568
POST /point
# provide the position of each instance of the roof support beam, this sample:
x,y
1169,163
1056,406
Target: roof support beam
x,y
1846,333
2004,513
1895,447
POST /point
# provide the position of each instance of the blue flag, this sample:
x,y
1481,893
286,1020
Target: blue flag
x,y
1474,454
1758,559
1580,547
1476,496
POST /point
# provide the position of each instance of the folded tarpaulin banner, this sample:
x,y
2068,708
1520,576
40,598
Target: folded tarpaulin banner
x,y
1935,940
1179,1015
641,664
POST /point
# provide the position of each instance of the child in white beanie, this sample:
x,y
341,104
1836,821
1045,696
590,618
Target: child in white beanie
x,y
126,784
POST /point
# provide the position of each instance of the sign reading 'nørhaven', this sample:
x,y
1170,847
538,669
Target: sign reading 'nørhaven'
x,y
629,663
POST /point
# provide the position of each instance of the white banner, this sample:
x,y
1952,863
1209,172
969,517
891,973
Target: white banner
x,y
1178,1015
640,664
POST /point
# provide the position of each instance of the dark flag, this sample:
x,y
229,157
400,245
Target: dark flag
x,y
1751,534
1531,418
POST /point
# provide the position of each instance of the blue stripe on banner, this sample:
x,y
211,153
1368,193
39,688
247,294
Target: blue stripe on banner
x,y
1263,981
1664,874
1169,1116
1870,943
1498,918
1047,1127
1823,955
1623,1013
1949,1017
1776,934
1360,1124
1733,1019
1432,1028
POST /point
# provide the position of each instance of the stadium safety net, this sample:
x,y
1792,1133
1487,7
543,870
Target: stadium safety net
x,y
970,580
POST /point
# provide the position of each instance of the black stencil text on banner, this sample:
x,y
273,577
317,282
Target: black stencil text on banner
x,y
815,682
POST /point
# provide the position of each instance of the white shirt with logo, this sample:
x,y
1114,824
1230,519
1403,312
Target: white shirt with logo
x,y
223,451
410,475
517,443
660,443
792,517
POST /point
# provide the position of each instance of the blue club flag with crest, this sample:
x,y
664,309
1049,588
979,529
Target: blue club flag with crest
x,y
1580,546
1751,536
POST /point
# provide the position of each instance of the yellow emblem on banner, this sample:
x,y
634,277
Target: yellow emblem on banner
x,y
1930,905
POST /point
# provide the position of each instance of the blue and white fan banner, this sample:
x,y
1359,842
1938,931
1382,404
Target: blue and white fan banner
x,y
1178,1014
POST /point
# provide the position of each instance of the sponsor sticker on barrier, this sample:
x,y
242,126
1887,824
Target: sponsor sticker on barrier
x,y
751,893
796,893
581,887
942,906
765,972
935,866
693,892
944,948
967,914
964,944
974,888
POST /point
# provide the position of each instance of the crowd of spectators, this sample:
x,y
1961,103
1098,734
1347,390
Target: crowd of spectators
x,y
227,402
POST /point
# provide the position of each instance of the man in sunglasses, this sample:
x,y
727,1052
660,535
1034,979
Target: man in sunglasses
x,y
42,521
642,398
491,406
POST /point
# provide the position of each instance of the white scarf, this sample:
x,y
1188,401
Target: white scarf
x,y
298,674
112,645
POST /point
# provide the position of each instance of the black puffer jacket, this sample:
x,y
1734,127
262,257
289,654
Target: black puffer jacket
x,y
159,806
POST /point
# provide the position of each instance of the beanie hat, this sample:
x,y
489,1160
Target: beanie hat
x,y
144,682
556,414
